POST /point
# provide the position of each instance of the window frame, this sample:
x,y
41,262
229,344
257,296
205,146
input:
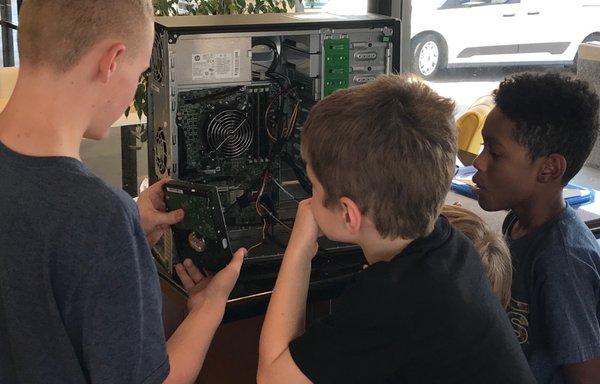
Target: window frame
x,y
8,29
458,4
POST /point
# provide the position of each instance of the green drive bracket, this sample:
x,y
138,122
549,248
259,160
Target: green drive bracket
x,y
337,64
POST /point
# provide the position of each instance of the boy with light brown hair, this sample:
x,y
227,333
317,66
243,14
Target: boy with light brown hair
x,y
381,158
80,300
490,245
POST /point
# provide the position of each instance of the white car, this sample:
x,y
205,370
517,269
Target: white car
x,y
463,33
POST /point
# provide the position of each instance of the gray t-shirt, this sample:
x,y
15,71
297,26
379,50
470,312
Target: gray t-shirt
x,y
555,305
79,294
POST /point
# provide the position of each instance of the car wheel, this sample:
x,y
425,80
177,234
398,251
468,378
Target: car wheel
x,y
429,56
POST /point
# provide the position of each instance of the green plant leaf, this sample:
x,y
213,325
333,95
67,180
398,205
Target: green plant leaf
x,y
213,7
144,134
240,5
141,111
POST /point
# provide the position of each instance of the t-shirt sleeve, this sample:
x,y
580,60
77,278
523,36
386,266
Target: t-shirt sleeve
x,y
122,337
355,344
568,290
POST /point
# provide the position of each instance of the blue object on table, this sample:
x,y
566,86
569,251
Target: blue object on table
x,y
582,194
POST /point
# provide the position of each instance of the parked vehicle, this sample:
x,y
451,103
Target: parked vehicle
x,y
468,33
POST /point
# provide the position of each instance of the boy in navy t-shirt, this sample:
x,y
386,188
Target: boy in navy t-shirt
x,y
80,300
536,139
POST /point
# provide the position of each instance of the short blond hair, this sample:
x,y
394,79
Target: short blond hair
x,y
494,252
390,146
57,33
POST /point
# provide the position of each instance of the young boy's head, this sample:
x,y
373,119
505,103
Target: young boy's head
x,y
536,139
494,252
381,154
97,47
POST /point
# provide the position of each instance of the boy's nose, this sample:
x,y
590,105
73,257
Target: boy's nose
x,y
478,163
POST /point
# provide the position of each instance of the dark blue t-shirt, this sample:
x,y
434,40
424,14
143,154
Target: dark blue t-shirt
x,y
555,305
79,294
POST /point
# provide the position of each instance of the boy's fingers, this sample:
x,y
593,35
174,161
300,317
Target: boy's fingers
x,y
158,202
186,280
158,185
238,259
168,218
225,279
155,191
193,271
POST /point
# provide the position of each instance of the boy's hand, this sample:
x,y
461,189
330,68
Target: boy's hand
x,y
203,290
151,205
306,230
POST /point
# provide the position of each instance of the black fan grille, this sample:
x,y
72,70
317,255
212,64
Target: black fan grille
x,y
230,133
160,153
157,64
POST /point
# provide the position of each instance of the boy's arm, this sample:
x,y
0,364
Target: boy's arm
x,y
187,347
285,316
587,372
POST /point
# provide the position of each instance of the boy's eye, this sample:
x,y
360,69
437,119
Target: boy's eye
x,y
493,154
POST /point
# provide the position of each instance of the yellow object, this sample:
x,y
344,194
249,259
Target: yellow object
x,y
8,78
471,123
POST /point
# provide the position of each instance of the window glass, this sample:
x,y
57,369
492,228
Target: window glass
x,y
465,47
337,6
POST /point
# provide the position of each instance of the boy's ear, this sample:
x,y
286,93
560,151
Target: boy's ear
x,y
553,168
109,61
352,215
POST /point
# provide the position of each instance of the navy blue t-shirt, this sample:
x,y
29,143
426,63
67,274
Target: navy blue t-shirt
x,y
555,305
79,294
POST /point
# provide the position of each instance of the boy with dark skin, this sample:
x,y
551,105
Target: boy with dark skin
x,y
536,139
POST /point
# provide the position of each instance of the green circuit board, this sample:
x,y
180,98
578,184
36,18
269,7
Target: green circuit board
x,y
198,213
337,64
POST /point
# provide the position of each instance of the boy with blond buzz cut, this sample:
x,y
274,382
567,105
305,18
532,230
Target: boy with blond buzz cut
x,y
380,158
490,245
80,300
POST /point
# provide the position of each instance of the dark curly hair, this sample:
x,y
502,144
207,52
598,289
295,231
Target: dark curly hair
x,y
553,113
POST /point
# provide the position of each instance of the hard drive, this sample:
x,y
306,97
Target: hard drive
x,y
201,236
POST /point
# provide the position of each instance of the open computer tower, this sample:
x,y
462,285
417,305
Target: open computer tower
x,y
227,99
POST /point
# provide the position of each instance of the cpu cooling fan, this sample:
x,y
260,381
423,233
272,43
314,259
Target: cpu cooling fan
x,y
230,133
160,153
157,62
